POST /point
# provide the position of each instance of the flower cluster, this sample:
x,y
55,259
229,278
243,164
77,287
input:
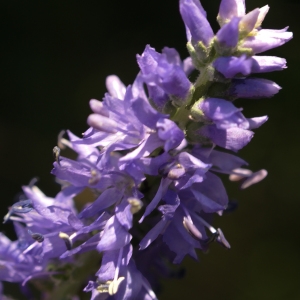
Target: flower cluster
x,y
151,159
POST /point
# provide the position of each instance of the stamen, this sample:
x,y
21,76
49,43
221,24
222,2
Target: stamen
x,y
189,225
186,213
7,216
62,183
16,219
33,181
102,123
36,236
191,229
66,239
62,143
95,177
103,287
239,173
176,172
114,286
165,168
56,153
210,228
72,236
136,205
248,176
212,238
217,234
22,207
98,108
30,247
254,178
221,239
149,131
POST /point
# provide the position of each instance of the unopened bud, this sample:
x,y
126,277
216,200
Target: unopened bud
x,y
248,22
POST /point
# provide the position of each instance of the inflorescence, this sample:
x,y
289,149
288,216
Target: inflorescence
x,y
151,158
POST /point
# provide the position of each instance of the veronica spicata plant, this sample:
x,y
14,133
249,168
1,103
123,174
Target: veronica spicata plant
x,y
151,158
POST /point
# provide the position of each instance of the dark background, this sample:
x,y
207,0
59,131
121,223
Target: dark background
x,y
55,56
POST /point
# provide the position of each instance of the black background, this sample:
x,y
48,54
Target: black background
x,y
55,56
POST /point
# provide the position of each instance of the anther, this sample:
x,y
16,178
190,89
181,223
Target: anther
x,y
102,123
36,236
222,240
33,181
56,153
254,178
114,286
239,174
22,207
176,172
103,287
217,234
191,229
166,168
66,239
98,108
212,238
95,177
62,143
7,216
136,205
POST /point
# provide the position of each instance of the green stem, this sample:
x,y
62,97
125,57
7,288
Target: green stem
x,y
202,84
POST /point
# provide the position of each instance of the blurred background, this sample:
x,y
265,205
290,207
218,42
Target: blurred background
x,y
55,56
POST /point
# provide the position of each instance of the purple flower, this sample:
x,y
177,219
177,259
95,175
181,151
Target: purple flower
x,y
266,39
197,27
16,266
231,66
252,88
232,138
135,155
230,9
45,229
183,222
165,76
228,35
221,112
262,64
136,124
